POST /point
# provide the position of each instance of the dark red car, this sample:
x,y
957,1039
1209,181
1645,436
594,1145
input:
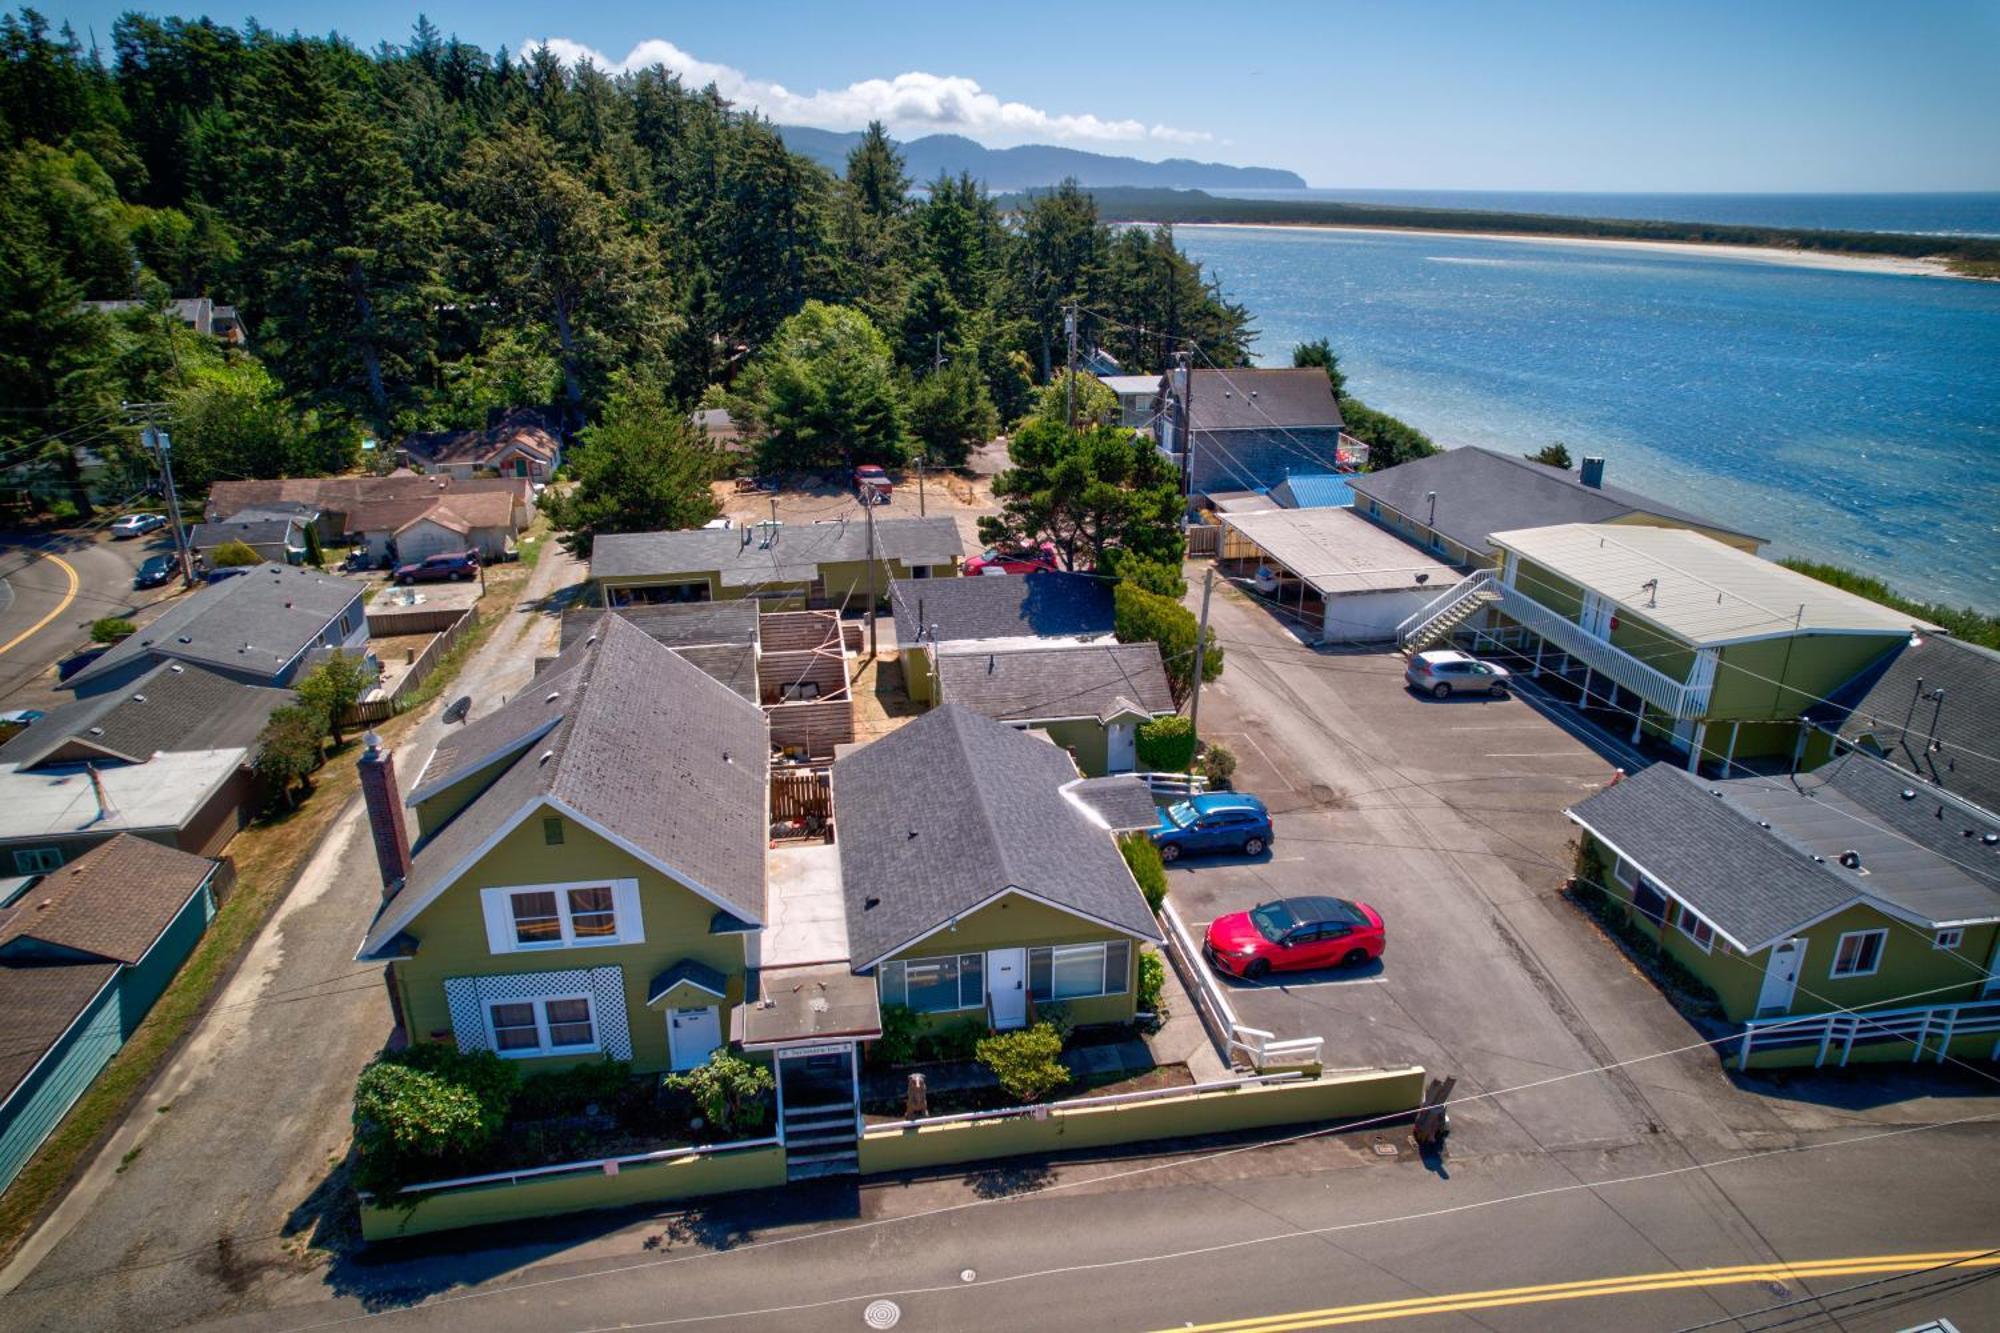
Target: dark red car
x,y
872,484
1294,935
1014,560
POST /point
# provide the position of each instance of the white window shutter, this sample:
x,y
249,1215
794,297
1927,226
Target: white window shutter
x,y
468,1014
499,920
625,901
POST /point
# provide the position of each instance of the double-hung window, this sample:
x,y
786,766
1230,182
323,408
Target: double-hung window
x,y
561,916
549,1025
1859,953
935,985
1695,928
1078,971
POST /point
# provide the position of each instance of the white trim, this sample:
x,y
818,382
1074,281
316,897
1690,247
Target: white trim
x,y
722,994
1938,940
994,897
1833,972
498,902
422,792
958,961
540,1003
1680,924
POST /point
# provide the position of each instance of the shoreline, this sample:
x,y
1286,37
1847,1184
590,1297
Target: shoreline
x,y
1816,259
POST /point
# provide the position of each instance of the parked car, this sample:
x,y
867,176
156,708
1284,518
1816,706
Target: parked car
x,y
445,566
1014,560
1294,935
1216,822
154,570
872,484
1444,672
136,525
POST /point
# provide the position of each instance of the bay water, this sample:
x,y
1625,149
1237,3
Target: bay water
x,y
1847,416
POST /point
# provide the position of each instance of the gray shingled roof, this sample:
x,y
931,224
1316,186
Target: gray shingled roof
x,y
691,970
744,557
249,531
111,902
1048,605
255,623
172,707
1480,492
952,810
1751,886
1941,689
674,626
1244,399
1043,684
647,746
1124,802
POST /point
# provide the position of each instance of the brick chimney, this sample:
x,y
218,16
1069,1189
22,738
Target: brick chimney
x,y
385,813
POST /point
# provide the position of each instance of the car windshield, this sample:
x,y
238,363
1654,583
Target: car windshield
x,y
1273,920
1181,813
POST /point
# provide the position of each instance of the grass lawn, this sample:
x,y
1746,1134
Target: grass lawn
x,y
269,856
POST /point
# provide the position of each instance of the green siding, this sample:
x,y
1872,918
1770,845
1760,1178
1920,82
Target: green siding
x,y
1084,738
1018,922
38,1105
918,680
1810,665
433,812
451,935
1552,590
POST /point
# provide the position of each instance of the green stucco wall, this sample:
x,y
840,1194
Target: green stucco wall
x,y
547,1196
1017,922
1309,1101
1809,665
451,935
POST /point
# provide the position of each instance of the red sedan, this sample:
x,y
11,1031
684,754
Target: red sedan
x,y
1294,935
1022,560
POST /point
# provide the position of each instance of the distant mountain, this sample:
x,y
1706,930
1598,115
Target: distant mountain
x,y
1033,165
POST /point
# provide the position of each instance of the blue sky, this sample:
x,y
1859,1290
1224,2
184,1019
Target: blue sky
x,y
1772,95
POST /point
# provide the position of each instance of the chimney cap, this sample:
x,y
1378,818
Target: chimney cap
x,y
373,741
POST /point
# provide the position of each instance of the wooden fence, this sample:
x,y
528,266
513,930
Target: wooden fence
x,y
381,710
803,796
1204,539
390,621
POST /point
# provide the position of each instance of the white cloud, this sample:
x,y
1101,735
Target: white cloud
x,y
912,101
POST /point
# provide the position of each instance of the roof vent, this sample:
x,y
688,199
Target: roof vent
x,y
1909,794
97,731
553,696
1990,839
1851,859
868,903
138,698
182,639
176,668
1763,823
545,756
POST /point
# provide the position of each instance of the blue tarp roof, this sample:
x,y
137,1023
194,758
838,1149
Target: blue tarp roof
x,y
1313,490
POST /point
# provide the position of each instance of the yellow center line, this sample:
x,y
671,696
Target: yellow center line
x,y
1452,1303
68,597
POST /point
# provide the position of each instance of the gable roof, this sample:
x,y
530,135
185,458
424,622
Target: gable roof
x,y
1096,680
174,706
462,511
521,429
952,811
1246,399
646,750
1930,709
1699,589
343,495
793,553
1481,492
1314,490
112,902
1047,605
676,626
251,531
255,623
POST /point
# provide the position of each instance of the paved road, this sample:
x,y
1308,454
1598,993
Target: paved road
x,y
52,586
237,1137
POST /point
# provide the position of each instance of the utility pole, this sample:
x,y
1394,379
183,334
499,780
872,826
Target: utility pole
x,y
1200,661
1069,330
937,364
161,446
1184,408
868,504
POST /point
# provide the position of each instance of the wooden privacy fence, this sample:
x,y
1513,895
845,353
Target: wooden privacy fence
x,y
389,621
1204,539
801,796
381,710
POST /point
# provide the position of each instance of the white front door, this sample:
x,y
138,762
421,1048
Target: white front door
x,y
1121,751
692,1035
1007,987
1781,977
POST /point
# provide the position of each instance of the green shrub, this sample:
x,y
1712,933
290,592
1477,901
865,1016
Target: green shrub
x,y
1026,1061
901,1029
63,511
953,1041
1166,744
730,1091
1217,763
419,1112
233,553
1152,983
110,629
1142,858
605,1084
1056,1013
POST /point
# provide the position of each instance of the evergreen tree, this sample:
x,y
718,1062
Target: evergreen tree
x,y
824,393
642,468
875,174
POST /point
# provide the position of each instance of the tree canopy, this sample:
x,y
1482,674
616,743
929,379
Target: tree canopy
x,y
1087,492
642,468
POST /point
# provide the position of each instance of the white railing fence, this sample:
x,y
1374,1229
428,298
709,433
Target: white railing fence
x,y
1233,1038
1930,1029
1443,604
1656,687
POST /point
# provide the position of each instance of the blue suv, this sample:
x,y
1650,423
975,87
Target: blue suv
x,y
1217,822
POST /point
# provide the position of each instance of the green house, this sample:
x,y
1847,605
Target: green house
x,y
1702,646
994,612
1845,914
84,953
1088,698
786,566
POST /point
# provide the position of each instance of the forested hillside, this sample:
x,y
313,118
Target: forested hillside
x,y
416,234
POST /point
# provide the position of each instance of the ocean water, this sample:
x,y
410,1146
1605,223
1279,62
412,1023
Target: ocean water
x,y
1923,214
1847,416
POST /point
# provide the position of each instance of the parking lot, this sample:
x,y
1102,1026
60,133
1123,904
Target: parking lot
x,y
1446,817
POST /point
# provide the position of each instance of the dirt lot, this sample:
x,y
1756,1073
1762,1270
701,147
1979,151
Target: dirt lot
x,y
964,496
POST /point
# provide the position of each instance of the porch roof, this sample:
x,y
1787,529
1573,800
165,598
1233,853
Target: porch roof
x,y
803,1004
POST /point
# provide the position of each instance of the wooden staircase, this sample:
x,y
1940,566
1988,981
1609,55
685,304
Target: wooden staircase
x,y
1437,621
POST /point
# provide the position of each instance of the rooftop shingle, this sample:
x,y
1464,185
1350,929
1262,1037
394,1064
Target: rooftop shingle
x,y
1047,605
745,557
256,623
1043,684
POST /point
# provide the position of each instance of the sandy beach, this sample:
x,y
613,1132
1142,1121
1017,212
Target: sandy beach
x,y
1907,267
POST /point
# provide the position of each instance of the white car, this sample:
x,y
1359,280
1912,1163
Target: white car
x,y
137,525
1444,672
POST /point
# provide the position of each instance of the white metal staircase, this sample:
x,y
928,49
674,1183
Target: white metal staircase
x,y
1444,613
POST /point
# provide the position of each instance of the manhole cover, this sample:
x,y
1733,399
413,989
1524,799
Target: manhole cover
x,y
882,1314
968,1275
1385,1150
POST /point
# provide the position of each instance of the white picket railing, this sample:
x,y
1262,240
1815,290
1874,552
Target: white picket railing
x,y
1262,1049
1930,1030
1468,587
1675,698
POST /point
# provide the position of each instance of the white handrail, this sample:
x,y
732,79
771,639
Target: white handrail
x,y
1655,686
1457,592
1108,1099
1838,1032
594,1164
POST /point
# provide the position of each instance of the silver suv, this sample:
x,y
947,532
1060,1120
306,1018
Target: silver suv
x,y
1444,672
